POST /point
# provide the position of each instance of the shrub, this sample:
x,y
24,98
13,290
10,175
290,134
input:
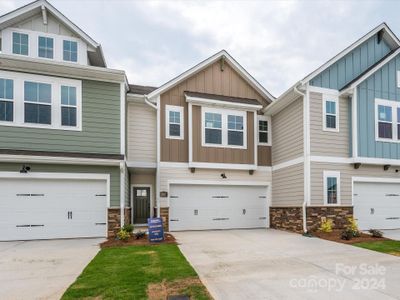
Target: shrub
x,y
353,227
123,235
347,234
140,234
128,228
326,225
376,233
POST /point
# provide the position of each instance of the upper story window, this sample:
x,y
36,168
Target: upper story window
x,y
68,105
37,98
331,188
330,112
46,47
264,130
385,128
224,128
174,122
28,100
387,120
6,100
70,51
20,43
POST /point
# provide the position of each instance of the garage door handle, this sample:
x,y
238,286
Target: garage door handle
x,y
99,223
174,220
393,218
220,219
31,225
262,218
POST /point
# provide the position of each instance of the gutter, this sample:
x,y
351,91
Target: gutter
x,y
304,206
146,100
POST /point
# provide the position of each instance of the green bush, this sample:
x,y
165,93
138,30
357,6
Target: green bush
x,y
353,227
128,228
326,225
376,233
347,234
123,235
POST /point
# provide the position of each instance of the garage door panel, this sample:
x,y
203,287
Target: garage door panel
x,y
52,208
377,205
200,207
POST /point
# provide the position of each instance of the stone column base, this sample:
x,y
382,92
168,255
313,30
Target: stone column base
x,y
291,218
114,220
164,214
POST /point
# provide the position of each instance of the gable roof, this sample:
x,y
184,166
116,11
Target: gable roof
x,y
221,54
387,35
42,6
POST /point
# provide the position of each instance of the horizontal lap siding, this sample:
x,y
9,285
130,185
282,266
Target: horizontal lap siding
x,y
61,168
287,131
347,171
383,85
288,186
100,126
167,174
141,132
327,143
351,65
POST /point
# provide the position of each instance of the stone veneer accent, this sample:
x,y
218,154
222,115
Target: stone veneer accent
x,y
114,220
291,218
164,214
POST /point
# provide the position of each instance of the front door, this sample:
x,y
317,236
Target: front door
x,y
141,205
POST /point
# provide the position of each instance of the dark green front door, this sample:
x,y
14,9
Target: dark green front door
x,y
141,205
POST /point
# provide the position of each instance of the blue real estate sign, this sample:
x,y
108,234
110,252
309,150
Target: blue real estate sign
x,y
156,230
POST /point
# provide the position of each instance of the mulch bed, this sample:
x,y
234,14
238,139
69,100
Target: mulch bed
x,y
132,241
335,237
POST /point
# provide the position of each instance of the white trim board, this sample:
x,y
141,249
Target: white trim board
x,y
58,160
288,163
220,103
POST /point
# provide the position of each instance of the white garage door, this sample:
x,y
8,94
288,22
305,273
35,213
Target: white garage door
x,y
52,208
377,205
200,207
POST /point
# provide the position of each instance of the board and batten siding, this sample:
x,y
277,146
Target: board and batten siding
x,y
264,155
141,133
217,154
352,65
288,186
100,126
114,172
287,132
347,171
171,173
211,80
329,143
383,85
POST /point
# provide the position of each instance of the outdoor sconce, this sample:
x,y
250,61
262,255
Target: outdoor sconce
x,y
25,169
357,165
223,176
251,172
386,167
192,170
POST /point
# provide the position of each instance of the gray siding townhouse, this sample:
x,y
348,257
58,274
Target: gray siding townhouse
x,y
335,151
62,131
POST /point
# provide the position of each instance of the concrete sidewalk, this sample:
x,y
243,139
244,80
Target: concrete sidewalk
x,y
272,264
43,269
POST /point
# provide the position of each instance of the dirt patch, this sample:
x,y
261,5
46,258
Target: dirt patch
x,y
335,236
132,241
160,291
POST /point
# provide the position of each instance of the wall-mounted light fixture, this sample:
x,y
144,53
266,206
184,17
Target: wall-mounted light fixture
x,y
223,176
25,169
386,167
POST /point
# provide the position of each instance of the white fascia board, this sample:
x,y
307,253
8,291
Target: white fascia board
x,y
200,101
218,182
222,166
349,49
349,90
284,100
58,160
254,83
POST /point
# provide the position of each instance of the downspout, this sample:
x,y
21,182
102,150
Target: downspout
x,y
157,192
304,206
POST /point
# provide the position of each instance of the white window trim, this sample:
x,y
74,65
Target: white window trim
x,y
33,45
268,119
224,118
179,109
394,105
335,174
333,98
56,83
9,100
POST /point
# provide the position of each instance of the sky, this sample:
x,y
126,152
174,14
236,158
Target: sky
x,y
277,42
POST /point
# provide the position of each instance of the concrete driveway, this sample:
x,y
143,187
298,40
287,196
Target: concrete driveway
x,y
393,234
42,269
272,264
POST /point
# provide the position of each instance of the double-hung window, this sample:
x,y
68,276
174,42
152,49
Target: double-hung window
x,y
37,102
224,128
213,128
20,43
46,47
264,136
331,188
6,100
174,122
70,51
385,118
68,106
330,112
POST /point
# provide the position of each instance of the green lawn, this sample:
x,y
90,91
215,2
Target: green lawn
x,y
389,247
126,272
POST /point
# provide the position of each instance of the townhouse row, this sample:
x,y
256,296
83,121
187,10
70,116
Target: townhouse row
x,y
83,152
